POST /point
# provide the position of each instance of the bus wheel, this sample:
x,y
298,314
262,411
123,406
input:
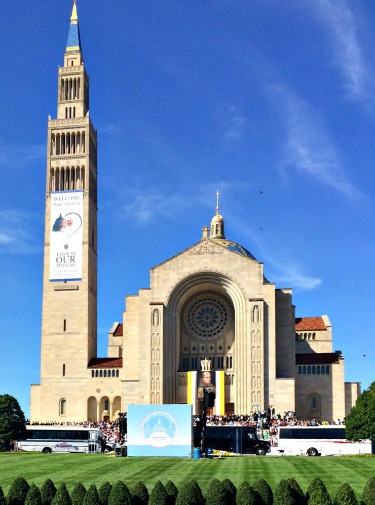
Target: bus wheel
x,y
261,451
312,451
47,450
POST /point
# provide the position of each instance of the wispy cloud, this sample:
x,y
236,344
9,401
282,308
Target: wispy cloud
x,y
16,233
24,154
284,269
234,124
308,147
349,57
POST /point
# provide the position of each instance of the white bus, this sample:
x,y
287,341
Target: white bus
x,y
50,438
317,441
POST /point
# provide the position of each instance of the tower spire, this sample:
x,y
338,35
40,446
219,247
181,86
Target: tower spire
x,y
74,39
217,222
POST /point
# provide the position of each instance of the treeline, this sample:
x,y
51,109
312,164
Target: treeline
x,y
287,492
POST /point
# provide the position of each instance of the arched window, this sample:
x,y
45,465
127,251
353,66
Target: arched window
x,y
117,373
62,407
300,370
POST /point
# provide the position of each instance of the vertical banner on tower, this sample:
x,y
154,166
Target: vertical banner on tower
x,y
66,236
220,393
192,390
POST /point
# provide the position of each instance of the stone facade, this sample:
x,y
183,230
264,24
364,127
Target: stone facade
x,y
211,301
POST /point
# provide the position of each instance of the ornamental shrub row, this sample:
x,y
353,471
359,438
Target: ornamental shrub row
x,y
287,492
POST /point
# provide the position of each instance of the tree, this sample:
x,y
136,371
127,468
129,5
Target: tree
x,y
139,494
262,487
47,491
172,491
12,420
217,494
299,495
190,494
18,491
345,496
284,494
317,493
158,495
2,497
360,422
120,494
368,495
78,494
231,489
33,496
104,491
62,496
246,495
92,496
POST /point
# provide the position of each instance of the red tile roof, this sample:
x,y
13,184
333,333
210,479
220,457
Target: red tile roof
x,y
322,358
105,363
119,330
309,324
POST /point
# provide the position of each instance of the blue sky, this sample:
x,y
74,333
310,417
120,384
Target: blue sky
x,y
270,102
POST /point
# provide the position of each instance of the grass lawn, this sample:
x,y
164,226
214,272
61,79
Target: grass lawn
x,y
98,468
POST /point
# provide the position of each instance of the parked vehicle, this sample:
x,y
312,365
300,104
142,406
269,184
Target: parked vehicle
x,y
61,439
233,439
318,441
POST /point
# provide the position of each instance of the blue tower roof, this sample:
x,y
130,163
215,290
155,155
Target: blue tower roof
x,y
74,39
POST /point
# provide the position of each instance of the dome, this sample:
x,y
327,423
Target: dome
x,y
217,218
234,247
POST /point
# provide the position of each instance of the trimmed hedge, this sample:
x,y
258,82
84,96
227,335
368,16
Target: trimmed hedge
x,y
287,492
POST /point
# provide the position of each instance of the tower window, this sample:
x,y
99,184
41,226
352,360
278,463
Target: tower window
x,y
64,325
62,407
63,370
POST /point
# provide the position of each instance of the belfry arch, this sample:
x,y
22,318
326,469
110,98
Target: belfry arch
x,y
197,288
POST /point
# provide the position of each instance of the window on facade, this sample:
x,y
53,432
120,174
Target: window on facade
x,y
63,370
299,370
185,362
100,373
314,403
220,362
92,373
117,373
229,362
106,405
304,370
327,369
194,363
105,373
62,407
313,369
318,370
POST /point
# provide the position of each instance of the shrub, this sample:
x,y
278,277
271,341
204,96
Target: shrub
x,y
172,491
120,494
158,495
284,494
47,492
231,489
62,496
33,496
216,494
78,494
317,493
299,495
2,497
263,488
190,494
139,494
18,491
104,491
368,495
345,496
246,495
92,496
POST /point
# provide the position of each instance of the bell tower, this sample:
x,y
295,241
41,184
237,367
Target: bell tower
x,y
69,313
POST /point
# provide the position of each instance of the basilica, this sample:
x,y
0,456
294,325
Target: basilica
x,y
209,313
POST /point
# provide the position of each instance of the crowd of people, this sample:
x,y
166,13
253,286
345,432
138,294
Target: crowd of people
x,y
115,432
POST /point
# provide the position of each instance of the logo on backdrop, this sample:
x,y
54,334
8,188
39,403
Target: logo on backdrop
x,y
159,429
